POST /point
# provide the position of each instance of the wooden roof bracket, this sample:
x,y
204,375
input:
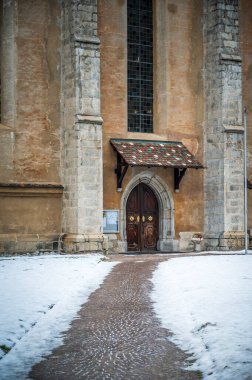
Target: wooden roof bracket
x,y
178,175
120,171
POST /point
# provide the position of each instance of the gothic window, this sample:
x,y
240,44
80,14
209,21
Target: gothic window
x,y
140,66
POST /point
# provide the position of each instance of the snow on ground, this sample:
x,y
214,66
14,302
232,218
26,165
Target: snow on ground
x,y
207,303
39,297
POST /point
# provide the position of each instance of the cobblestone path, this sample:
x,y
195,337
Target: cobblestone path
x,y
116,334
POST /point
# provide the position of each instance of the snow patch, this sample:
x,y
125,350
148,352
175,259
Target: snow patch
x,y
39,297
206,302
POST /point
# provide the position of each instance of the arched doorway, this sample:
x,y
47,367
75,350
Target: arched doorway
x,y
142,219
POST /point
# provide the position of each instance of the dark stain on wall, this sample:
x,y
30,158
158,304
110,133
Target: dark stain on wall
x,y
172,8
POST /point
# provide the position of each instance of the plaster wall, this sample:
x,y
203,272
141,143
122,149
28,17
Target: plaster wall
x,y
31,87
178,94
29,219
33,209
30,117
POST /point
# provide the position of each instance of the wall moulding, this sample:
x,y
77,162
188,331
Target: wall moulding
x,y
89,119
233,128
226,58
19,189
87,40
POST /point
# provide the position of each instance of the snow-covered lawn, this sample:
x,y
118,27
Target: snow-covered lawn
x,y
207,303
39,297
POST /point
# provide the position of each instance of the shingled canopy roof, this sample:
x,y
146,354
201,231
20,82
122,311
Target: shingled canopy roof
x,y
166,154
155,153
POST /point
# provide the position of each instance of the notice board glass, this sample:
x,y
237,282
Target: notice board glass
x,y
110,221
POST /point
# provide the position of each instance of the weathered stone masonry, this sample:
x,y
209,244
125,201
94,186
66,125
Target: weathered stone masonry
x,y
224,191
82,123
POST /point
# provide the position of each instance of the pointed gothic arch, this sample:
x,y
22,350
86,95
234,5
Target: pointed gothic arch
x,y
166,209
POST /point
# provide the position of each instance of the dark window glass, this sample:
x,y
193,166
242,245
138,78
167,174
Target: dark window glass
x,y
140,66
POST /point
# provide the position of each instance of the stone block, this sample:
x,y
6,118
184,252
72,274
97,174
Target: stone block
x,y
121,246
168,245
185,242
232,240
112,237
83,243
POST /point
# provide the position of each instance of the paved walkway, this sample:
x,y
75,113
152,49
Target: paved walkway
x,y
116,335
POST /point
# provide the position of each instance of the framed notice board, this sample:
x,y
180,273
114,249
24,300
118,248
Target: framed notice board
x,y
110,221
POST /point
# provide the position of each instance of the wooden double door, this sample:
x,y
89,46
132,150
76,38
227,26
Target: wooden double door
x,y
142,219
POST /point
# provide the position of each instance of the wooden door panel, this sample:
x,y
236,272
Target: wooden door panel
x,y
142,219
150,236
133,220
149,219
133,201
149,200
133,237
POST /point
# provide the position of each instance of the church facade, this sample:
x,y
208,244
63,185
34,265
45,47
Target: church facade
x,y
122,125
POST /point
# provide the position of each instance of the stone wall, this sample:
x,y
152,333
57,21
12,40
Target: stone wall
x,y
82,134
51,126
246,47
224,186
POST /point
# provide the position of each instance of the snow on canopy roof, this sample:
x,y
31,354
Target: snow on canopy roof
x,y
155,153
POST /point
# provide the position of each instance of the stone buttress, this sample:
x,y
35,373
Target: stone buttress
x,y
82,128
224,185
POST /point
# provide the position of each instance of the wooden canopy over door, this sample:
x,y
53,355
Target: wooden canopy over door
x,y
142,219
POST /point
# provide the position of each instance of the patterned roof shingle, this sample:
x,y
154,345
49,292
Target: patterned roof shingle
x,y
155,153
